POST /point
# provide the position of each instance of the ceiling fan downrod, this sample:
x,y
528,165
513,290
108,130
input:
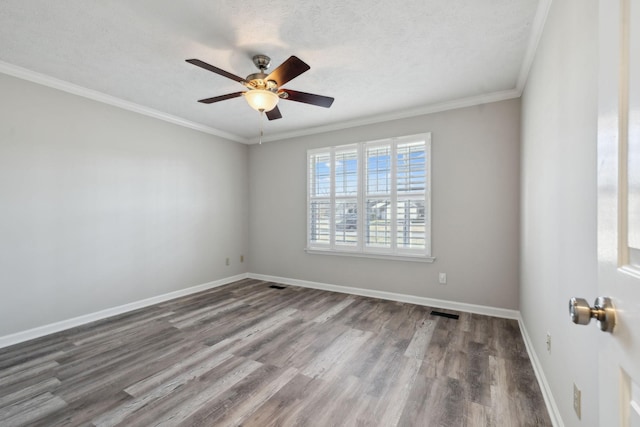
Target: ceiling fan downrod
x,y
262,62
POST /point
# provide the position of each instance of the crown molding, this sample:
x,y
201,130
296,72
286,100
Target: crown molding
x,y
537,27
534,39
404,114
42,79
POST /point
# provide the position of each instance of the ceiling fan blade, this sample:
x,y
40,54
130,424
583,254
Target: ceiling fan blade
x,y
274,114
308,98
288,70
220,98
216,70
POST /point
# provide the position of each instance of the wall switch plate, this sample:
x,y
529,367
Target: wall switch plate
x,y
577,396
443,278
241,258
549,342
227,262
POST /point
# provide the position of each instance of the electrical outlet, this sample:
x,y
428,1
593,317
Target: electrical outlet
x,y
241,258
577,396
443,278
549,342
227,262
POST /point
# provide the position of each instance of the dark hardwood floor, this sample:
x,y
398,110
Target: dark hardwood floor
x,y
247,354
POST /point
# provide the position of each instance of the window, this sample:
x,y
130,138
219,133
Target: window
x,y
371,198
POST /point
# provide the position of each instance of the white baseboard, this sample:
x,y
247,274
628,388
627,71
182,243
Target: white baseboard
x,y
430,302
40,331
549,401
554,413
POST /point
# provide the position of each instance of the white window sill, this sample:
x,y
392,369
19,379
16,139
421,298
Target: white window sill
x,y
404,257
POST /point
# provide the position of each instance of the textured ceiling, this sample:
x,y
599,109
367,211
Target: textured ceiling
x,y
377,59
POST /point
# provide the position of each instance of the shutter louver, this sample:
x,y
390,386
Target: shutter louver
x,y
371,198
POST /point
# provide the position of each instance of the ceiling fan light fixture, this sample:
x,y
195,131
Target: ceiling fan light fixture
x,y
263,91
261,100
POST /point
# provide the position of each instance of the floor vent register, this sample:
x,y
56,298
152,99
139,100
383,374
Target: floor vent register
x,y
447,315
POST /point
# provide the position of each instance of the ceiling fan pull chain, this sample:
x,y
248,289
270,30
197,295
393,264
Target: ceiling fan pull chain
x,y
261,121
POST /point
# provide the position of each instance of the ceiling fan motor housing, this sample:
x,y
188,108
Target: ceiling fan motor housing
x,y
259,81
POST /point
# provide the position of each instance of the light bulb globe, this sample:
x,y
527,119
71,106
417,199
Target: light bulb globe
x,y
261,100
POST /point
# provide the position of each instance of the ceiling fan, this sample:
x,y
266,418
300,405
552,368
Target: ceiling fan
x,y
264,91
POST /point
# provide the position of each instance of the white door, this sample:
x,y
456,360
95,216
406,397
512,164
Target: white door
x,y
619,209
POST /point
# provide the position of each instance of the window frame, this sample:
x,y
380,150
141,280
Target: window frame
x,y
361,248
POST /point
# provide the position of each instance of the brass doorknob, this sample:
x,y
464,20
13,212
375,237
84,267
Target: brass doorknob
x,y
602,310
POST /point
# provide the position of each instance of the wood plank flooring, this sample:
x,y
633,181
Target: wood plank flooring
x,y
247,354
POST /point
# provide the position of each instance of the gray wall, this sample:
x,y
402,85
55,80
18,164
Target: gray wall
x,y
475,209
559,113
100,206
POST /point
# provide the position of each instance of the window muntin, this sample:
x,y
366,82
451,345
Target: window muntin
x,y
346,172
371,197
